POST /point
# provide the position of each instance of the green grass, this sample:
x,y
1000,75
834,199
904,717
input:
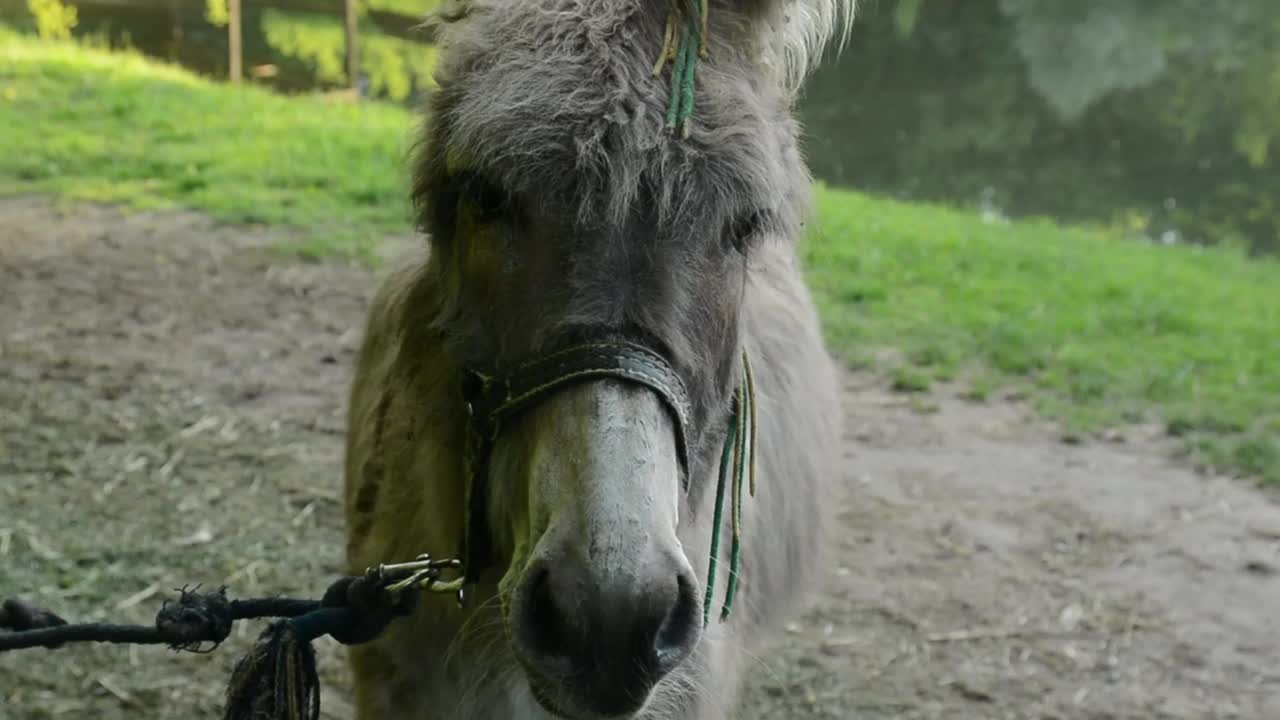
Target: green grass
x,y
119,128
1098,331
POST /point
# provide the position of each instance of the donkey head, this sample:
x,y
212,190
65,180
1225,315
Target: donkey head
x,y
563,211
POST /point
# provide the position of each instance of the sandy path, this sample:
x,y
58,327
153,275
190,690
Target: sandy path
x,y
171,401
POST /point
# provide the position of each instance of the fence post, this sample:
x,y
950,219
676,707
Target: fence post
x,y
175,30
353,46
233,32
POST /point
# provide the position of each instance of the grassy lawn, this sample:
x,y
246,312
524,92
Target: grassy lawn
x,y
1098,331
119,128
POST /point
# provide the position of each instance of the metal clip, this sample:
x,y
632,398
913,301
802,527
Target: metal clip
x,y
423,573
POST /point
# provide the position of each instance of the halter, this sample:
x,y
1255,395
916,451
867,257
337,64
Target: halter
x,y
492,401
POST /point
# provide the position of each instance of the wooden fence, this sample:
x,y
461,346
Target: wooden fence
x,y
398,25
393,24
350,25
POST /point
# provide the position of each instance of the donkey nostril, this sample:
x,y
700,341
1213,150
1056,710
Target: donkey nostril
x,y
542,630
679,628
608,640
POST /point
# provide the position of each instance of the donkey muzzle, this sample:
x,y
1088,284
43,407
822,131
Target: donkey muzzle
x,y
607,604
595,645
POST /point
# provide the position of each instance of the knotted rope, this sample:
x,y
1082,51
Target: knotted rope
x,y
684,41
277,678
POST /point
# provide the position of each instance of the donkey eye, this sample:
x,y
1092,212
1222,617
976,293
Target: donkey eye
x,y
483,198
742,232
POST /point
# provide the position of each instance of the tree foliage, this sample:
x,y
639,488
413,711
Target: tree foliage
x,y
53,19
1160,114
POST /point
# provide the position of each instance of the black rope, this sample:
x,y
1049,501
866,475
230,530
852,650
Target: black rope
x,y
277,679
196,618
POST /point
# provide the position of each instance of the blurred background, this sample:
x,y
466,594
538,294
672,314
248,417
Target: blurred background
x,y
1157,117
1046,252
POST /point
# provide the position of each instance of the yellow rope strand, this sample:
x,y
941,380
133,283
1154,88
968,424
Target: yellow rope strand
x,y
702,38
668,45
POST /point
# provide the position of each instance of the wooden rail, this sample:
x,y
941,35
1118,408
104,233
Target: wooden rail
x,y
392,24
233,41
353,45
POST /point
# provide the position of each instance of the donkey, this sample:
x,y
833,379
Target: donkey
x,y
609,312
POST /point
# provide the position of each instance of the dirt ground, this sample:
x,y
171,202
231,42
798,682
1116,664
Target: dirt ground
x,y
171,412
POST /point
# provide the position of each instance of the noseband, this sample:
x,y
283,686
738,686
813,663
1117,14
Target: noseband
x,y
492,401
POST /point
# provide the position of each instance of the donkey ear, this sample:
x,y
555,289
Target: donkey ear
x,y
798,31
827,8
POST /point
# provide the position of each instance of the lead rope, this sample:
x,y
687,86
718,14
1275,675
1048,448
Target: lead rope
x,y
738,459
682,46
278,678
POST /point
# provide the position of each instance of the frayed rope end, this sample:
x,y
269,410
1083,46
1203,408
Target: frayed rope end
x,y
276,680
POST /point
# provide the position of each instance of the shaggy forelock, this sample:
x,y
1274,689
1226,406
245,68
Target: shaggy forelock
x,y
556,100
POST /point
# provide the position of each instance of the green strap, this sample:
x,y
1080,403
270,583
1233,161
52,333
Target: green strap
x,y
725,457
674,115
690,43
737,459
741,455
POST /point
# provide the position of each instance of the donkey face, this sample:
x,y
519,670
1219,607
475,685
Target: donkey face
x,y
560,212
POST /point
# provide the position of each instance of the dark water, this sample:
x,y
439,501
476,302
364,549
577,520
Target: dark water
x,y
1159,115
1163,115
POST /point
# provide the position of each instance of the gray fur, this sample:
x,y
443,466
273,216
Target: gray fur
x,y
615,228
